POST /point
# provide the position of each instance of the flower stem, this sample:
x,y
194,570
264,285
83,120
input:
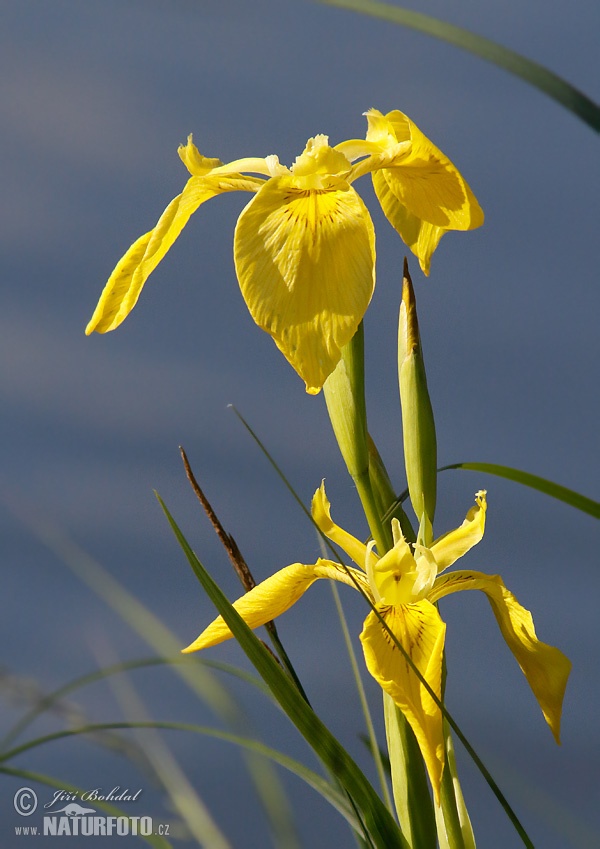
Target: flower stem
x,y
344,392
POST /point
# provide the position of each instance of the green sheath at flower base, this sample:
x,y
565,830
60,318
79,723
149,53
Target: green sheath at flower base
x,y
304,246
418,426
344,392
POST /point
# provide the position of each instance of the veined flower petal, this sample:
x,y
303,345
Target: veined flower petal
x,y
545,667
274,596
321,513
305,262
420,236
421,191
420,631
423,179
449,547
123,288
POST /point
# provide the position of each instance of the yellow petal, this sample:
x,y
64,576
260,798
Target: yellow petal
x,y
420,236
196,164
420,630
449,547
305,261
321,513
426,182
395,573
421,191
545,667
274,596
123,288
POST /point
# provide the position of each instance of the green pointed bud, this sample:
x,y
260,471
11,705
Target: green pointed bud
x,y
420,447
344,392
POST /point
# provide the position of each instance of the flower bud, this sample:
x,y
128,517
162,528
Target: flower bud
x,y
418,426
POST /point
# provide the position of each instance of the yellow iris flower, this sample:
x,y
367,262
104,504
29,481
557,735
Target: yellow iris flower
x,y
403,585
304,246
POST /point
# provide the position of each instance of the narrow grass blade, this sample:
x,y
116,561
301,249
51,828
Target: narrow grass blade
x,y
380,825
555,490
533,73
503,801
330,793
49,700
154,632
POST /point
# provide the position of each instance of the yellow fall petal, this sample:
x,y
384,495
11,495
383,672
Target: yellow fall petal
x,y
305,262
123,288
274,596
420,236
421,191
420,630
449,547
424,180
545,667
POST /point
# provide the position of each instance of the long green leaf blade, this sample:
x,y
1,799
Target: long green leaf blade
x,y
380,825
532,72
555,490
313,779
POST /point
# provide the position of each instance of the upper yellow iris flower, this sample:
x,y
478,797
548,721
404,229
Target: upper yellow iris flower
x,y
403,585
304,246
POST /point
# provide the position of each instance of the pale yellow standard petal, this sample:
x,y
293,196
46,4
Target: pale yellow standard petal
x,y
321,513
123,288
449,547
420,630
305,262
545,667
275,595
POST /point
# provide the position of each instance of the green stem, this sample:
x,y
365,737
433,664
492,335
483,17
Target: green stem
x,y
453,823
409,781
344,392
380,534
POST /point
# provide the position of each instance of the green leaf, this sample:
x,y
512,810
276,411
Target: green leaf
x,y
451,721
156,634
51,699
317,782
535,74
378,822
555,490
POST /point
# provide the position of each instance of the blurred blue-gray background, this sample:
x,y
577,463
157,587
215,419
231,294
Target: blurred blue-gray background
x,y
95,98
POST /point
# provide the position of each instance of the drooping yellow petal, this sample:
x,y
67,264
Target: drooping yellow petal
x,y
305,262
545,667
274,596
421,191
420,236
449,547
321,513
424,180
123,288
420,630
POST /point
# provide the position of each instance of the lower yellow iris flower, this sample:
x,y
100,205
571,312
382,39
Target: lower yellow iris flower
x,y
403,586
304,246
